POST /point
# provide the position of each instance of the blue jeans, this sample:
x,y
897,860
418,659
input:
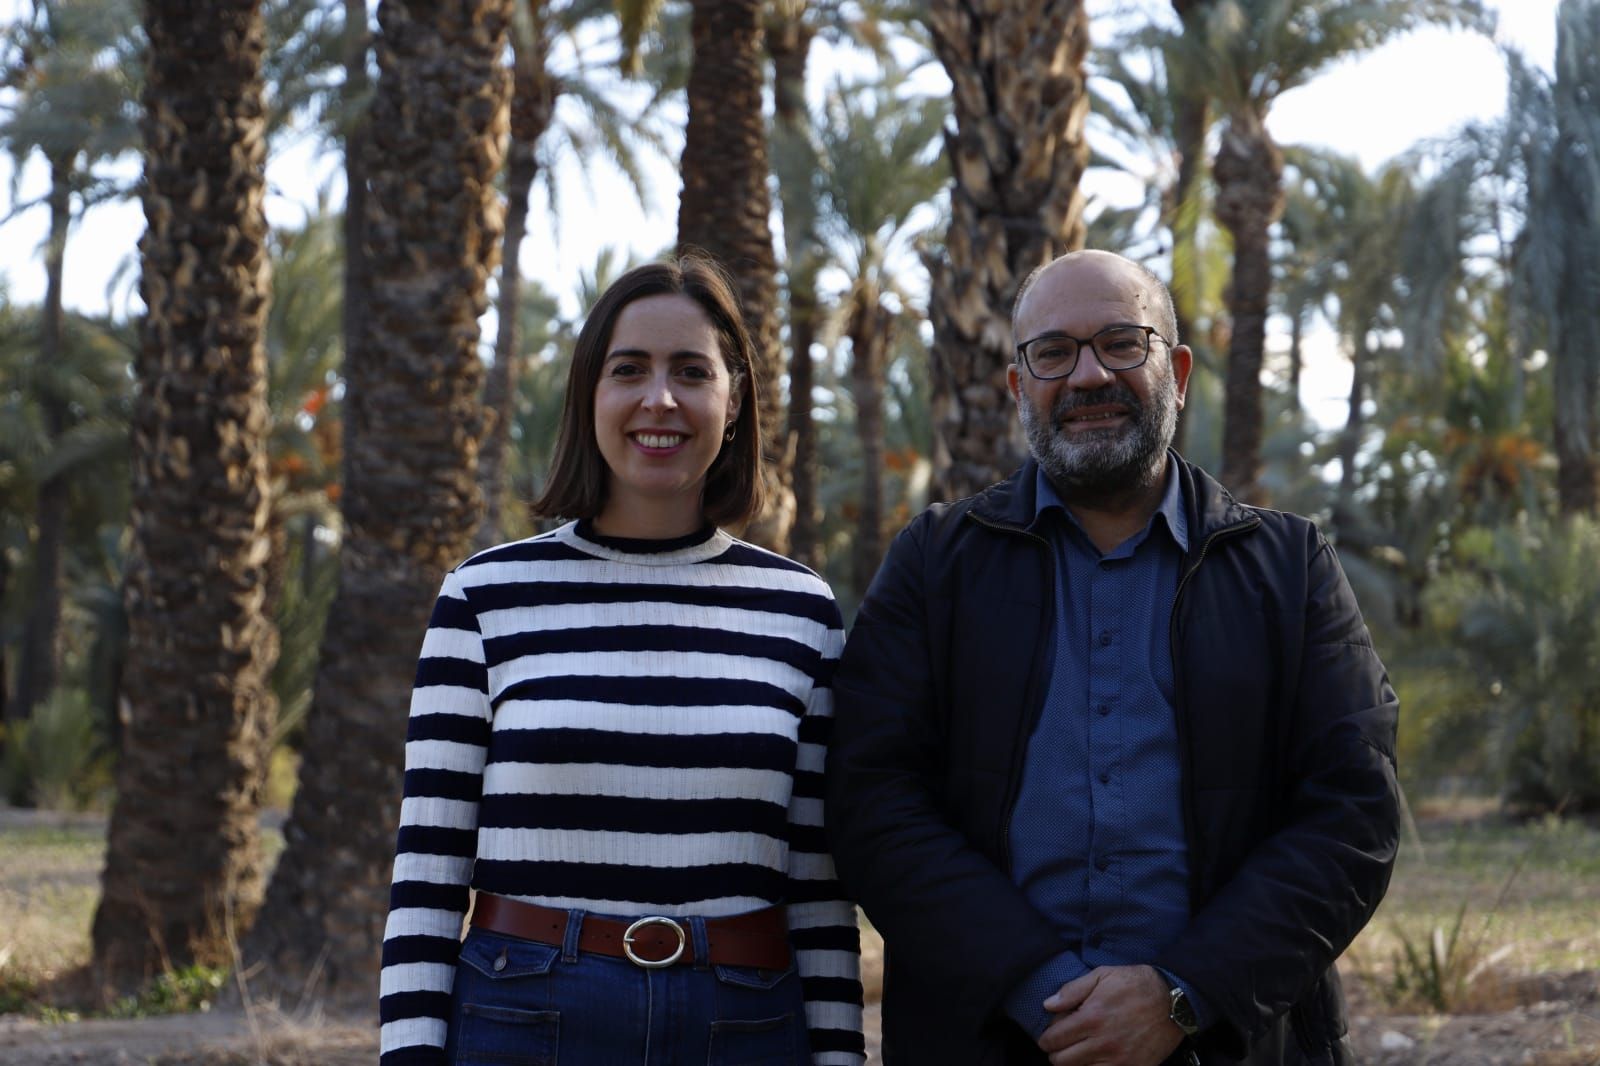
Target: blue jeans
x,y
521,1003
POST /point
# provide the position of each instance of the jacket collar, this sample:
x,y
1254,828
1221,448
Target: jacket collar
x,y
1013,503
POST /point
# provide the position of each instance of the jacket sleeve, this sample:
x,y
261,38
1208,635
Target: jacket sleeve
x,y
949,914
1301,895
822,922
447,740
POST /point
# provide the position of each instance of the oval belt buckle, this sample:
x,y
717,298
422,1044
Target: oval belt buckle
x,y
653,964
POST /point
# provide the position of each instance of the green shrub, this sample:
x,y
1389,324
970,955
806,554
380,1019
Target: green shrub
x,y
57,760
193,988
1521,621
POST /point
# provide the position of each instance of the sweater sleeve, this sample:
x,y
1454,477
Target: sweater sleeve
x,y
822,922
447,739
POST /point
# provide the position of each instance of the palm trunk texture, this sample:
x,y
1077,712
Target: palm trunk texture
x,y
183,862
357,44
870,329
1249,176
413,420
723,210
1017,153
533,102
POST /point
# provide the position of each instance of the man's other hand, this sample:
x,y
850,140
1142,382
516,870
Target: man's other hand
x,y
1113,1015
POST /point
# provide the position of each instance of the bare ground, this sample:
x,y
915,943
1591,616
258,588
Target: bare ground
x,y
1542,1009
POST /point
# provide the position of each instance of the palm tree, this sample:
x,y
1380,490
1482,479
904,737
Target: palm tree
x,y
412,416
1247,53
880,166
1564,224
1016,154
74,108
723,210
795,164
555,106
62,420
791,27
533,100
201,648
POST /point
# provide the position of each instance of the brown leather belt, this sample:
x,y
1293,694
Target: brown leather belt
x,y
759,938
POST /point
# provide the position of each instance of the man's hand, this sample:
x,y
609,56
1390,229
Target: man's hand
x,y
1113,1015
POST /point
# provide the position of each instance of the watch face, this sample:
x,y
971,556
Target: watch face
x,y
1183,1013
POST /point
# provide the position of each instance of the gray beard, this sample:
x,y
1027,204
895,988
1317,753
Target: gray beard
x,y
1102,463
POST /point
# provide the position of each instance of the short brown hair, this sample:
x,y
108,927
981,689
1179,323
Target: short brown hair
x,y
577,484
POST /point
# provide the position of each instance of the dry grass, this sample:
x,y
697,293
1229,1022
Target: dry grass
x,y
1544,938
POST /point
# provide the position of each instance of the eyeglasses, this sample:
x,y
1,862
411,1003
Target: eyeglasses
x,y
1118,348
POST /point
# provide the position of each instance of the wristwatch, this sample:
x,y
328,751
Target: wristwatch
x,y
1182,1013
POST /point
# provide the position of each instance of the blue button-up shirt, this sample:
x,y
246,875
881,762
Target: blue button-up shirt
x,y
1097,840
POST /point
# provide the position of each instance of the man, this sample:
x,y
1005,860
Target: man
x,y
1112,768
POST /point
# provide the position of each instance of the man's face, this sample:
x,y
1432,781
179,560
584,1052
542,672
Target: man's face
x,y
1095,430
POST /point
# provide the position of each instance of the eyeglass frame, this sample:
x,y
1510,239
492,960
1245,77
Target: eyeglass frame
x,y
1149,332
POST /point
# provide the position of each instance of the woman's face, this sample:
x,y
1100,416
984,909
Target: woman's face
x,y
663,401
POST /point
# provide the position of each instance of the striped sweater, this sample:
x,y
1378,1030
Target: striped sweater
x,y
628,728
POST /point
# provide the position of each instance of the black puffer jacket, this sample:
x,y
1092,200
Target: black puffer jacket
x,y
1286,722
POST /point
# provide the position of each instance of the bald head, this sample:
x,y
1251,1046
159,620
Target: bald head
x,y
1145,287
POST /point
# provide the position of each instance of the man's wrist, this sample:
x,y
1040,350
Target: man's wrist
x,y
1184,1010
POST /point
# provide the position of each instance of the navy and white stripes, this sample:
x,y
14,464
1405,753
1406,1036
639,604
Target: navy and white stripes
x,y
628,732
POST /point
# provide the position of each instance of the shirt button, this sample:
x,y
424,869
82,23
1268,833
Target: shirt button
x,y
1102,864
1105,778
1095,940
1103,710
1105,638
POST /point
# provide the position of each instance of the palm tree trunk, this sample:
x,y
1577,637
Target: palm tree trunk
x,y
788,42
1017,152
1577,357
1249,174
1189,130
723,210
413,420
1350,439
41,629
357,43
869,330
1297,355
533,101
183,861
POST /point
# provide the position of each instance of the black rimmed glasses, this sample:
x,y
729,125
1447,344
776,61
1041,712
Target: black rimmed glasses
x,y
1055,355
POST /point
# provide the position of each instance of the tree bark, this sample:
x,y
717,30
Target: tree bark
x,y
183,861
1016,154
41,628
724,209
413,421
533,101
1249,176
870,331
357,43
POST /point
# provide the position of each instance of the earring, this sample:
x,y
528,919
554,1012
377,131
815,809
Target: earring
x,y
733,428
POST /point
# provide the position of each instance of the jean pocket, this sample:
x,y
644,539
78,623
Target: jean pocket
x,y
751,977
488,1035
764,1042
506,958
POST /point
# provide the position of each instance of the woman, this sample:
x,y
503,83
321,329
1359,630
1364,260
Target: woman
x,y
617,738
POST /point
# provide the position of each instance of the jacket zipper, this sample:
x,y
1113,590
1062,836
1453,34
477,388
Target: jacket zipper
x,y
1025,722
1179,715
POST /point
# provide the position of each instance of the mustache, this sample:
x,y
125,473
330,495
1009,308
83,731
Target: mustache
x,y
1119,393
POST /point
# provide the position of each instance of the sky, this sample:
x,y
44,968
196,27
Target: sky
x,y
1372,107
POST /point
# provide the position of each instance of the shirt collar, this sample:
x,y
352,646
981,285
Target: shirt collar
x,y
1171,509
